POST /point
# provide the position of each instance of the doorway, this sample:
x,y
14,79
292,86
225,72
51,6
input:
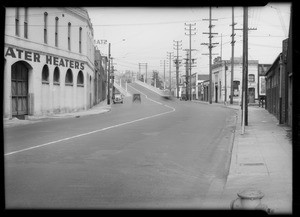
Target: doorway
x,y
19,90
216,93
251,95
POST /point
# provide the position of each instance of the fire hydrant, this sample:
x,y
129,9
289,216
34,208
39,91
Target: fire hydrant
x,y
249,199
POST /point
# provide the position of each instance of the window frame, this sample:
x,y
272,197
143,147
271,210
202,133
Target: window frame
x,y
45,70
56,70
80,40
56,31
67,83
45,28
69,36
252,76
81,84
17,22
25,22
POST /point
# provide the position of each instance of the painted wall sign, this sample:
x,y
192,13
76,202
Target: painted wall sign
x,y
102,41
47,59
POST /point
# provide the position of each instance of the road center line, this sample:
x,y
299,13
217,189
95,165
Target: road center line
x,y
88,133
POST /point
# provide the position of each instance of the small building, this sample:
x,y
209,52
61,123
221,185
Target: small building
x,y
221,80
200,86
203,90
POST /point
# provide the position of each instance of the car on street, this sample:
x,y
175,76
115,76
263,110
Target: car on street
x,y
118,98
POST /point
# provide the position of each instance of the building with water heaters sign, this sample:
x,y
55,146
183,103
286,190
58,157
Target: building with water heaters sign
x,y
49,58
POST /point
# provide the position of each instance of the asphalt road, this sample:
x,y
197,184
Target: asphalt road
x,y
154,154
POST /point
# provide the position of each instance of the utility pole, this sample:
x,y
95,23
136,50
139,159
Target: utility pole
x,y
170,78
232,57
108,77
144,64
210,46
187,75
139,70
164,74
146,72
245,70
245,64
177,67
221,48
190,55
225,82
113,78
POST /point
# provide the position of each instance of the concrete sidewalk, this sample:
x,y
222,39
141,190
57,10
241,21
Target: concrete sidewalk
x,y
261,160
102,107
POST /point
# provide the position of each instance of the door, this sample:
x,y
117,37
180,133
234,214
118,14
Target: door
x,y
19,90
216,93
251,95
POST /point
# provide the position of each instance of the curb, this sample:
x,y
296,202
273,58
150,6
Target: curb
x,y
233,151
34,119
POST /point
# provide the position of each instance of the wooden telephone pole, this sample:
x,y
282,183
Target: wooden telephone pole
x,y
210,46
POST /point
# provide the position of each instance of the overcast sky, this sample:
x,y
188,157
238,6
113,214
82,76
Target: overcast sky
x,y
146,34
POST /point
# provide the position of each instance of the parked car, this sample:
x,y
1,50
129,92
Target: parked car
x,y
118,98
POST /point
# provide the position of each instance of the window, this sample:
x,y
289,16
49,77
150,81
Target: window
x,y
80,79
69,77
80,34
45,27
45,75
17,21
56,76
69,36
26,23
251,78
56,31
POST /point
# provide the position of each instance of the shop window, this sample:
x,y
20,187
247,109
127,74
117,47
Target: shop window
x,y
56,76
80,79
45,75
69,78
